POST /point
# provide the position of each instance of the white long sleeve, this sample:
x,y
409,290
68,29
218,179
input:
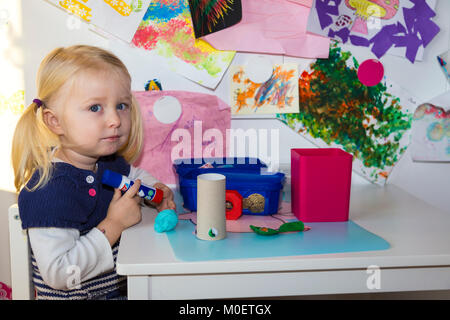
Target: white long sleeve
x,y
62,254
145,177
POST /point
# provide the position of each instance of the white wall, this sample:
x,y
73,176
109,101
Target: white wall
x,y
45,27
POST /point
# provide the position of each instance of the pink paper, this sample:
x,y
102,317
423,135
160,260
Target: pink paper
x,y
243,223
272,26
307,3
200,112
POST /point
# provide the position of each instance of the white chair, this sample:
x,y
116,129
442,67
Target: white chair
x,y
19,251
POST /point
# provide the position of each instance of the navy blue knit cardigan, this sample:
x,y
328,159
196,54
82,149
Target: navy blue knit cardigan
x,y
73,198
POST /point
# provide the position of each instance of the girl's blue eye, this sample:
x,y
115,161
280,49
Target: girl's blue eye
x,y
122,106
95,108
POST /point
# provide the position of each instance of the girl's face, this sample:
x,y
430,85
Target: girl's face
x,y
95,117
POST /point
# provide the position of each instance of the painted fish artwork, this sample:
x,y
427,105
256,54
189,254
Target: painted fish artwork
x,y
167,34
431,134
279,94
337,110
396,27
210,16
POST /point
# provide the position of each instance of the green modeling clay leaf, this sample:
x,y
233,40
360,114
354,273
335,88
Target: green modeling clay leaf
x,y
291,226
285,227
263,230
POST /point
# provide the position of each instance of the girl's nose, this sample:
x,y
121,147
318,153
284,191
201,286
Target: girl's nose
x,y
113,119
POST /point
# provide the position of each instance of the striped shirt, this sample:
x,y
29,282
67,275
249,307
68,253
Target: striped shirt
x,y
109,285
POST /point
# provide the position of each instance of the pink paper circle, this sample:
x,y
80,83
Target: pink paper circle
x,y
370,72
92,192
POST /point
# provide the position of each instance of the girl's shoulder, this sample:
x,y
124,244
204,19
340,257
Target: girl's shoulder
x,y
115,163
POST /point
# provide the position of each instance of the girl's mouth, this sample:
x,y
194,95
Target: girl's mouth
x,y
112,138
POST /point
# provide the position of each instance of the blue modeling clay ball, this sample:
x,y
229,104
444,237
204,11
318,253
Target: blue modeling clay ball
x,y
166,220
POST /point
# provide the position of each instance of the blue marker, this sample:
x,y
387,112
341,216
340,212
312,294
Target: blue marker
x,y
117,180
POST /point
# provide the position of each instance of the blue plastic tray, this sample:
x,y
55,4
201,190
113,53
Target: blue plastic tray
x,y
245,177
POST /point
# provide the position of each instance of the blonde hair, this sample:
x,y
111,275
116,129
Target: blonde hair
x,y
33,142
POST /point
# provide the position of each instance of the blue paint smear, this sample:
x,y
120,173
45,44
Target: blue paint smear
x,y
163,13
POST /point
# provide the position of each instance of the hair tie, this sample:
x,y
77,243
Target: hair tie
x,y
38,102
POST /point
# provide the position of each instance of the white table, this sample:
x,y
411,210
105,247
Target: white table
x,y
418,259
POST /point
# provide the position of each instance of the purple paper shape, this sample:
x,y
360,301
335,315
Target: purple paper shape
x,y
343,34
359,41
324,9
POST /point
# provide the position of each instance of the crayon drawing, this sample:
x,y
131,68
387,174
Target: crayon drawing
x,y
167,33
336,110
279,94
430,134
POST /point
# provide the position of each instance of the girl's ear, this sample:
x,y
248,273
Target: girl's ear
x,y
52,122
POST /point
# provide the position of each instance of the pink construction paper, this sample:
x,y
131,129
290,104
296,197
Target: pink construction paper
x,y
307,3
242,224
200,112
272,26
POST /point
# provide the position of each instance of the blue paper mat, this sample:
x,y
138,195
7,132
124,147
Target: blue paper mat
x,y
323,238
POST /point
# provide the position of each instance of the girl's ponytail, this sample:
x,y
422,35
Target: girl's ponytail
x,y
32,146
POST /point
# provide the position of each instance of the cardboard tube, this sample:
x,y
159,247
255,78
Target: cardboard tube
x,y
211,220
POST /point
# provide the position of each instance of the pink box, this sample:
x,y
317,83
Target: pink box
x,y
320,184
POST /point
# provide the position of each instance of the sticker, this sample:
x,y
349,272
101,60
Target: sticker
x,y
213,232
370,72
167,109
259,69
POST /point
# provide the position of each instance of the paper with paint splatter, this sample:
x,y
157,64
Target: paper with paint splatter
x,y
430,133
279,94
120,18
167,34
444,63
396,27
337,110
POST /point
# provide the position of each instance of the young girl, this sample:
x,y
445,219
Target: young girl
x,y
84,121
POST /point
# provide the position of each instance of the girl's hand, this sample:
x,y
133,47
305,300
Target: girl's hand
x,y
167,201
124,211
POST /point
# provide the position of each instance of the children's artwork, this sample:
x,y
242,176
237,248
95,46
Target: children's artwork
x,y
198,132
272,26
209,16
153,84
166,32
12,105
117,17
430,133
399,27
279,94
444,60
337,110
